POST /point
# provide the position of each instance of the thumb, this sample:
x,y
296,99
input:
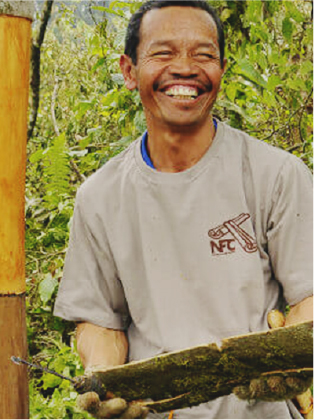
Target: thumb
x,y
276,319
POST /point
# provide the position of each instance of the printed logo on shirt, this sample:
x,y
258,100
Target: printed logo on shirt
x,y
225,237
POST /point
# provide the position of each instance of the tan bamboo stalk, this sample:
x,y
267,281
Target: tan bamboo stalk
x,y
15,37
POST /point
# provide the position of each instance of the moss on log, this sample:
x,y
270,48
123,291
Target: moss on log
x,y
199,374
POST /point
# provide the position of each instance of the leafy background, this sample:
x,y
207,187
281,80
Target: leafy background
x,y
86,116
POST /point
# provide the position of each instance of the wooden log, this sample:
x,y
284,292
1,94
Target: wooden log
x,y
15,35
14,381
199,374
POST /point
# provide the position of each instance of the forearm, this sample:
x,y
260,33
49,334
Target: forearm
x,y
98,346
301,312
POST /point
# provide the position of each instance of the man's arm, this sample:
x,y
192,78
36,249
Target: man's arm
x,y
99,346
301,312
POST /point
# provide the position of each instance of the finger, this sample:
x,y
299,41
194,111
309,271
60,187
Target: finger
x,y
276,385
242,392
305,401
145,411
134,411
88,402
299,385
276,319
111,408
256,389
265,389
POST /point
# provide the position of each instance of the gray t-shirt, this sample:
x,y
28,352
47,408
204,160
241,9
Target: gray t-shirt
x,y
188,258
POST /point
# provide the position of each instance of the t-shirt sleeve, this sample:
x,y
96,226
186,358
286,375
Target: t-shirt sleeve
x,y
90,289
290,230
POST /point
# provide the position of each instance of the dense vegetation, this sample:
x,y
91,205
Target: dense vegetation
x,y
86,116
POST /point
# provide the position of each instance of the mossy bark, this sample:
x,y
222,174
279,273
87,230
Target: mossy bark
x,y
199,374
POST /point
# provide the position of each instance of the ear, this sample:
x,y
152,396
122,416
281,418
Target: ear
x,y
128,70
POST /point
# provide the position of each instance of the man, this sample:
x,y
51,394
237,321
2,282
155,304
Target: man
x,y
194,232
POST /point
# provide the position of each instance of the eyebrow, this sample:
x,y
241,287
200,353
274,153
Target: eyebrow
x,y
161,43
207,45
170,42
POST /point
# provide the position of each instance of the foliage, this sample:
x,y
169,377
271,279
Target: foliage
x,y
57,397
86,116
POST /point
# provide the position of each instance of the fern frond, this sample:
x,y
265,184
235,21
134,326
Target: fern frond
x,y
57,170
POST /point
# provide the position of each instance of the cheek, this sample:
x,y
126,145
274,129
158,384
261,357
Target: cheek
x,y
215,75
149,78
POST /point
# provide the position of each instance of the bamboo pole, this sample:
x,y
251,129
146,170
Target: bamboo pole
x,y
15,37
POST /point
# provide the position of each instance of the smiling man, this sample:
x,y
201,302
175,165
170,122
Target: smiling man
x,y
196,231
177,69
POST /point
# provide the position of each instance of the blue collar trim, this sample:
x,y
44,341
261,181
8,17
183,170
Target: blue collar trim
x,y
144,151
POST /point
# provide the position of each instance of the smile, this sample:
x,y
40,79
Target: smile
x,y
182,92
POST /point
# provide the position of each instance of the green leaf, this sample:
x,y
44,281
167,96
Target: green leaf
x,y
57,170
262,60
254,12
111,98
82,108
269,98
306,67
293,12
124,141
247,69
47,287
139,121
233,107
108,10
273,6
287,28
84,142
99,63
297,84
37,156
118,3
50,381
231,91
226,13
273,82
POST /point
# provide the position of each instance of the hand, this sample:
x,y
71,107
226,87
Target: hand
x,y
113,408
274,387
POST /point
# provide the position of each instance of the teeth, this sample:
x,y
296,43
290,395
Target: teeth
x,y
182,92
182,97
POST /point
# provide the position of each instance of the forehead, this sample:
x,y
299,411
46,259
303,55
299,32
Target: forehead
x,y
178,24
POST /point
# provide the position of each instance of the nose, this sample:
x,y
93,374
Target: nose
x,y
183,66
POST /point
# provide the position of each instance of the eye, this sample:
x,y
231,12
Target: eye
x,y
164,53
205,55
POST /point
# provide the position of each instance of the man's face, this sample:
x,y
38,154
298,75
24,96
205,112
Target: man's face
x,y
178,70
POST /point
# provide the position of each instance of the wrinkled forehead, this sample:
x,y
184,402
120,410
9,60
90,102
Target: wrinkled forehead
x,y
179,24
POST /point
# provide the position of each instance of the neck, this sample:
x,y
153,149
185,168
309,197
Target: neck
x,y
175,150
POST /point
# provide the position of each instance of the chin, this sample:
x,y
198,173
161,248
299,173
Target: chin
x,y
184,122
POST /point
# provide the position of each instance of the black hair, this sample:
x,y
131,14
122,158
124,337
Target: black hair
x,y
133,31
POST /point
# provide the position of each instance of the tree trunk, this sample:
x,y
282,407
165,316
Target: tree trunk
x,y
35,65
199,374
15,35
